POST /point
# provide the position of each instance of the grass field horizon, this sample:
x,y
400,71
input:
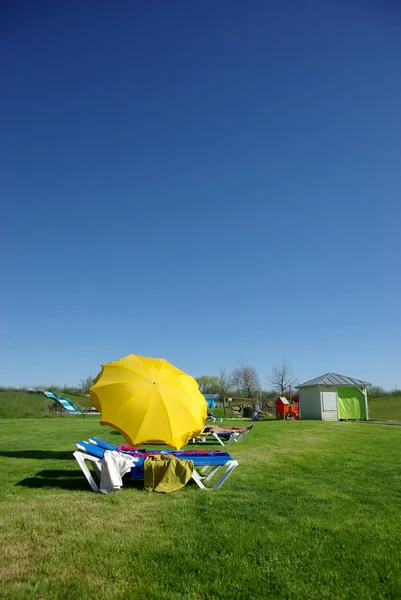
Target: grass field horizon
x,y
312,511
17,404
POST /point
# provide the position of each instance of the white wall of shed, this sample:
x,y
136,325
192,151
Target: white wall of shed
x,y
310,403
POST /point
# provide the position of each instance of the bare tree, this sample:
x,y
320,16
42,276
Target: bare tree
x,y
225,385
282,378
246,380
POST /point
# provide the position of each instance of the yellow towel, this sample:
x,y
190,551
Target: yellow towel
x,y
167,473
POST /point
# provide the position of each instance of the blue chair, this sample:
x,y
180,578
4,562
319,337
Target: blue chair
x,y
206,465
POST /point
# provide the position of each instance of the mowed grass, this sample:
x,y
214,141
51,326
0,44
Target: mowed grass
x,y
312,511
386,408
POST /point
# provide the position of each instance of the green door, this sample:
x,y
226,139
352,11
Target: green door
x,y
351,403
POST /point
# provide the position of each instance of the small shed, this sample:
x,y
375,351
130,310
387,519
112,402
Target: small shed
x,y
332,397
282,407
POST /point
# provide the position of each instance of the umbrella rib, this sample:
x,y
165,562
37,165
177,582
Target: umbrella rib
x,y
185,407
166,413
124,367
117,408
103,385
168,416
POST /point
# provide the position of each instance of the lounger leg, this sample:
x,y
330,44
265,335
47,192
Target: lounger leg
x,y
216,435
230,466
211,474
240,437
232,439
203,474
198,480
80,458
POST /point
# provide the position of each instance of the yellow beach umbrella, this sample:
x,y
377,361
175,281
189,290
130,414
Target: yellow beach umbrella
x,y
148,400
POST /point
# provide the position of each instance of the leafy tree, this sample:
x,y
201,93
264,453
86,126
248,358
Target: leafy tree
x,y
375,391
85,384
209,385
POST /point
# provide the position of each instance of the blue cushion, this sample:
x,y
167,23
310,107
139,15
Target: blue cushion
x,y
201,460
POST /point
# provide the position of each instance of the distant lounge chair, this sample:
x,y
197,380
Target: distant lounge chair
x,y
225,438
211,416
206,464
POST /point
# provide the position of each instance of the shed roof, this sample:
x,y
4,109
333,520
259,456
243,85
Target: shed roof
x,y
333,379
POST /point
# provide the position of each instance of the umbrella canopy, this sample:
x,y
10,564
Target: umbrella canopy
x,y
148,400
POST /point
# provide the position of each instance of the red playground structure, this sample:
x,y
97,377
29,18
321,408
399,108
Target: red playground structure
x,y
285,410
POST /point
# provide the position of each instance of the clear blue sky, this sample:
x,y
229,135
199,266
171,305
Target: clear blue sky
x,y
200,181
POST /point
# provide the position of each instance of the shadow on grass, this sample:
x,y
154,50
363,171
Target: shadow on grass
x,y
66,480
38,454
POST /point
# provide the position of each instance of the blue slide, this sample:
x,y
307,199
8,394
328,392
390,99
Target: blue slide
x,y
65,403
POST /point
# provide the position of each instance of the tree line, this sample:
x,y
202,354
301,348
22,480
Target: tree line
x,y
244,382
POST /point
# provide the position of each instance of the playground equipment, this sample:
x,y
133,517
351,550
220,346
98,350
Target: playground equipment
x,y
294,408
66,403
285,410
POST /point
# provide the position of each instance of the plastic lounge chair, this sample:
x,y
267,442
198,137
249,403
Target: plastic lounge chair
x,y
206,465
211,416
178,453
225,438
138,451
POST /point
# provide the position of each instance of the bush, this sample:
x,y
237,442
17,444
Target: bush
x,y
376,392
268,415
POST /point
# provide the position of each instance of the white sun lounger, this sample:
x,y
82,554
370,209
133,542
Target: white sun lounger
x,y
206,467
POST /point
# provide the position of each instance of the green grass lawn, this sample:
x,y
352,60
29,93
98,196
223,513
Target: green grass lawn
x,y
387,408
312,511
